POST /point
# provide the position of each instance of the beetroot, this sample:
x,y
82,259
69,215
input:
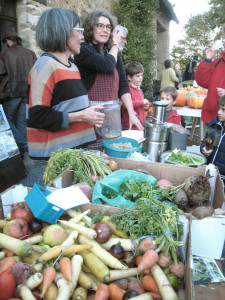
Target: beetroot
x,y
85,188
21,272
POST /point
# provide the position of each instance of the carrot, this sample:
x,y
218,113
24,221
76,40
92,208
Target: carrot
x,y
178,269
6,263
48,277
146,244
80,293
91,297
115,292
102,292
155,296
164,261
137,261
8,253
135,285
149,258
149,284
66,268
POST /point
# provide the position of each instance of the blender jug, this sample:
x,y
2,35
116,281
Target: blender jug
x,y
111,127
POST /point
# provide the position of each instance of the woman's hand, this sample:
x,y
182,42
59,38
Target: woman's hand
x,y
146,104
116,37
133,120
91,115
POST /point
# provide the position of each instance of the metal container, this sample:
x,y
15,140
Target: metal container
x,y
154,149
156,132
159,109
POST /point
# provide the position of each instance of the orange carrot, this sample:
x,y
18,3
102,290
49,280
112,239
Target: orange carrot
x,y
149,284
6,263
136,286
164,261
102,292
138,259
91,296
146,244
115,292
155,296
8,253
48,277
66,268
149,258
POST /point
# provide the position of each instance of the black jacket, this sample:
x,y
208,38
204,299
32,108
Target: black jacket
x,y
15,65
90,62
217,134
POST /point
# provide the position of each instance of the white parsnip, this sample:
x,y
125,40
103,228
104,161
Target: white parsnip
x,y
125,243
40,249
38,267
119,274
163,283
77,262
71,239
104,255
145,296
85,281
34,281
2,254
72,213
79,217
35,239
81,229
26,293
64,288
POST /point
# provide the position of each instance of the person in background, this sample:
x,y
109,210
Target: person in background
x,y
123,38
213,145
101,66
15,64
210,74
168,76
189,73
169,95
59,115
134,71
179,75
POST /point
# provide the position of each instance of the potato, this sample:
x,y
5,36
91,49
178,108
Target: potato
x,y
203,212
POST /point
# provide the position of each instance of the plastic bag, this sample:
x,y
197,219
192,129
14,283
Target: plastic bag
x,y
113,182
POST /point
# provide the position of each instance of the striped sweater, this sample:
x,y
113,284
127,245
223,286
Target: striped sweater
x,y
55,90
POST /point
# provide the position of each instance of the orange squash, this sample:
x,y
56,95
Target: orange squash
x,y
195,102
181,99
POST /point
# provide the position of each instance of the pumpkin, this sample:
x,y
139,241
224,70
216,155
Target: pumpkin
x,y
181,99
203,92
190,94
195,101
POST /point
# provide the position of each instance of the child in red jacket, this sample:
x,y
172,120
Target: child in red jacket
x,y
134,71
169,95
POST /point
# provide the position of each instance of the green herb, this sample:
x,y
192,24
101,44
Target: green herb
x,y
178,157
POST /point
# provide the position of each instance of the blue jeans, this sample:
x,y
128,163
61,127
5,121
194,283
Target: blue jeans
x,y
15,111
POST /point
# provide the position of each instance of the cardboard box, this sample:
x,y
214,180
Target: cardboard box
x,y
175,173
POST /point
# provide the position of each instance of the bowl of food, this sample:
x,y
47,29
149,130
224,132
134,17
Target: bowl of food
x,y
121,147
182,157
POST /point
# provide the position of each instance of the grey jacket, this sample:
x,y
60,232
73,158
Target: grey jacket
x,y
15,65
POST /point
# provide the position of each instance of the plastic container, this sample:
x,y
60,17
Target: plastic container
x,y
40,207
177,140
118,152
163,158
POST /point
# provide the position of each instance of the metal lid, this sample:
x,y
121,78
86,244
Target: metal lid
x,y
160,103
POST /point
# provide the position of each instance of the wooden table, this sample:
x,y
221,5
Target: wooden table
x,y
187,111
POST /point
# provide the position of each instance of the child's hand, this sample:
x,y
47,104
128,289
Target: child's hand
x,y
146,104
206,152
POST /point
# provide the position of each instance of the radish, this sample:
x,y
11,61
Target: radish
x,y
164,182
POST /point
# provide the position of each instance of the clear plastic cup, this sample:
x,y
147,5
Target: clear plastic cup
x,y
217,45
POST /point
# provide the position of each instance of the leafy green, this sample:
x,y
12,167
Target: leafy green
x,y
178,157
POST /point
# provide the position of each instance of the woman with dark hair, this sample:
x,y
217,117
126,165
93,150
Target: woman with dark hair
x,y
101,66
59,115
168,76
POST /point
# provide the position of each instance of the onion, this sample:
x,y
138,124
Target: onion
x,y
117,251
103,231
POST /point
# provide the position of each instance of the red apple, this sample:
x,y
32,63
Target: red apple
x,y
17,228
22,211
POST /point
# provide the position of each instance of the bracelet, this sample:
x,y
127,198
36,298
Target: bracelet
x,y
117,45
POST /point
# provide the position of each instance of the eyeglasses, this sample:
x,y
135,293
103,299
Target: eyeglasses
x,y
124,38
80,30
103,26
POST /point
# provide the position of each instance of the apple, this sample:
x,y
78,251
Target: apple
x,y
22,211
54,235
17,228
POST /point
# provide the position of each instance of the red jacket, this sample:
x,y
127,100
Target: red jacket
x,y
137,96
174,118
210,76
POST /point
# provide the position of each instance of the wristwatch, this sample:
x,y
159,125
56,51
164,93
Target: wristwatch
x,y
117,45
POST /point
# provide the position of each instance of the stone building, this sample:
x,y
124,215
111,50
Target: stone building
x,y
22,16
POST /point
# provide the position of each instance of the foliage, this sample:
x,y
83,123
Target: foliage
x,y
197,34
139,18
216,16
